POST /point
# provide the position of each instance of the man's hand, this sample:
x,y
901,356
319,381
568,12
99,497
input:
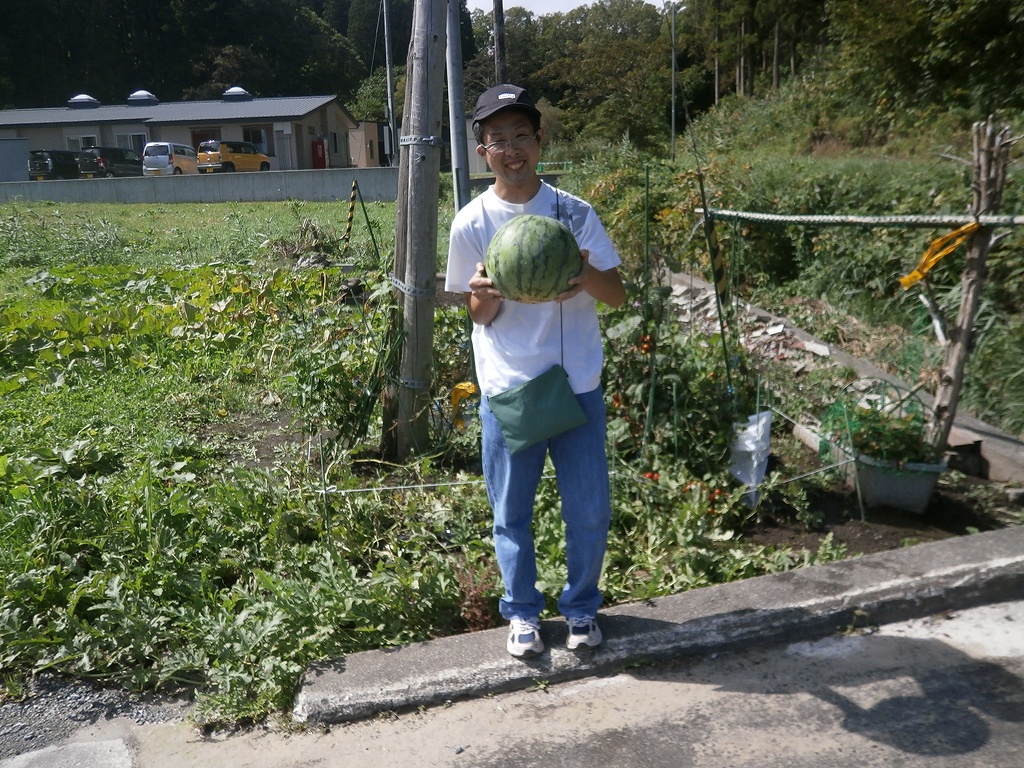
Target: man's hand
x,y
483,300
481,286
603,286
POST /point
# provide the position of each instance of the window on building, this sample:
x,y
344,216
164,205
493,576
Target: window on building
x,y
78,143
136,141
260,136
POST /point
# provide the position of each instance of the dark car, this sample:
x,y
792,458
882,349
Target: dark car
x,y
88,166
53,164
115,161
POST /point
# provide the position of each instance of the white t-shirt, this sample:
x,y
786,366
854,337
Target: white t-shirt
x,y
525,340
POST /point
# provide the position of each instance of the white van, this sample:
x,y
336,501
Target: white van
x,y
165,158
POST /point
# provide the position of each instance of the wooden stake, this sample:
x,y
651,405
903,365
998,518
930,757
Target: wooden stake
x,y
991,158
407,402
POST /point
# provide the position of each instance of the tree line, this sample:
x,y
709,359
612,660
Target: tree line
x,y
603,71
606,67
51,50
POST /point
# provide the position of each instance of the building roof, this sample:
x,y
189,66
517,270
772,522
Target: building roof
x,y
143,107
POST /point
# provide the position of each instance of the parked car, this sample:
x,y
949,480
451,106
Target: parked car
x,y
52,164
165,158
88,166
227,156
116,161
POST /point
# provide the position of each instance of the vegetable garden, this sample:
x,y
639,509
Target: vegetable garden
x,y
192,494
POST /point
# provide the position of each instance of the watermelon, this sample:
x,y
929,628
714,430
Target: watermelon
x,y
531,259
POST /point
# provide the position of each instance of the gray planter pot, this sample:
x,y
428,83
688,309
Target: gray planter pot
x,y
881,482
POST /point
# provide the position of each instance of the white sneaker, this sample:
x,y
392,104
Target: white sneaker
x,y
583,631
524,638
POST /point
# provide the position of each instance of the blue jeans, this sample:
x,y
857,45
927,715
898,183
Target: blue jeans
x,y
581,471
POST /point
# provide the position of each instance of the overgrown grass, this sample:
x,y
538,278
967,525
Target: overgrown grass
x,y
41,234
191,488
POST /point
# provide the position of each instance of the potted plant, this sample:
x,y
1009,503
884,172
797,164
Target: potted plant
x,y
884,429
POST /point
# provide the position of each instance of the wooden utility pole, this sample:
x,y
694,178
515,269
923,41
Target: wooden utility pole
x,y
991,158
407,402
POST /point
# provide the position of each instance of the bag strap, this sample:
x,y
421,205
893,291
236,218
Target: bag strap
x,y
561,328
561,335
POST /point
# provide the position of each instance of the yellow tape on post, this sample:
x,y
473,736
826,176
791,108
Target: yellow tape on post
x,y
938,250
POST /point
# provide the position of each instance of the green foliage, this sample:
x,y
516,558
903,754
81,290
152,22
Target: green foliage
x,y
994,390
615,77
340,357
185,51
159,535
45,234
672,399
646,205
943,52
32,237
371,99
786,267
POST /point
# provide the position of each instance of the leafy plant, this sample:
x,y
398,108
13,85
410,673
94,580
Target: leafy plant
x,y
673,395
879,421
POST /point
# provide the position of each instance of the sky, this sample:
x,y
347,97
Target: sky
x,y
539,7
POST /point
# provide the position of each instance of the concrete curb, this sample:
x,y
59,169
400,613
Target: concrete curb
x,y
803,604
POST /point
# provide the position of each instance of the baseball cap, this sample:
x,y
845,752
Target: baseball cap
x,y
502,97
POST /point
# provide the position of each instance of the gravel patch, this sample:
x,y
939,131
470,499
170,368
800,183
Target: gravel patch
x,y
55,708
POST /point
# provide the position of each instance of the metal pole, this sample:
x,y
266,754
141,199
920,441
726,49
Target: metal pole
x,y
672,147
393,143
499,43
457,108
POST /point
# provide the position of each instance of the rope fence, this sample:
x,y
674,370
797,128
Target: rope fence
x,y
941,220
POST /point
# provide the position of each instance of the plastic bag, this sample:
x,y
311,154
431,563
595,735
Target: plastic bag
x,y
748,454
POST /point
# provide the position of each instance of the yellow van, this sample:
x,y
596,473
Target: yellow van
x,y
227,156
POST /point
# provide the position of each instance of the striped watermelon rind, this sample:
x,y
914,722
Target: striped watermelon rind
x,y
531,259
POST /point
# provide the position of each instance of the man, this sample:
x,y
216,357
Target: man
x,y
514,342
